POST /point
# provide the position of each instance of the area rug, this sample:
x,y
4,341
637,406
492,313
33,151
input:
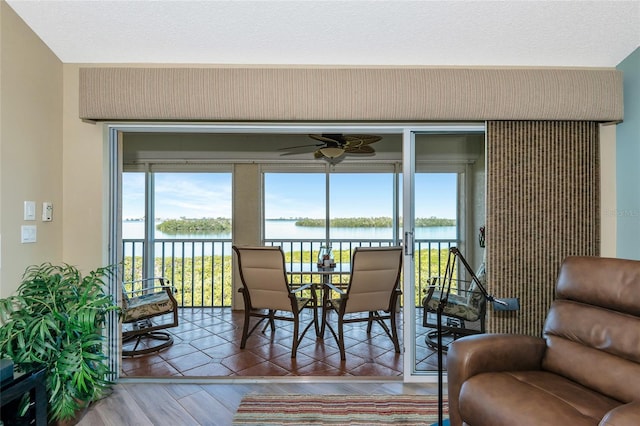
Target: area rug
x,y
271,410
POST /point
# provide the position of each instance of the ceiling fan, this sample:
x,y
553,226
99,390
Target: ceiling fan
x,y
335,145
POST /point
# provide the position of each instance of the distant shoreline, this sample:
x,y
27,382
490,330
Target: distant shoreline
x,y
222,224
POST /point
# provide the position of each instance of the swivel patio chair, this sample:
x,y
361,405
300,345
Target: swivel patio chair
x,y
463,309
373,288
145,313
266,290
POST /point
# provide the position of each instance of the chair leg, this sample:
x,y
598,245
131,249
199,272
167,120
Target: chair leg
x,y
370,322
315,321
394,332
245,328
271,322
333,333
343,355
296,330
297,336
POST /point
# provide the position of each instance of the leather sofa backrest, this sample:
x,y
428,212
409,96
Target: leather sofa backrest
x,y
592,329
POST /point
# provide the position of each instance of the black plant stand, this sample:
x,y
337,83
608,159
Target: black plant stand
x,y
33,382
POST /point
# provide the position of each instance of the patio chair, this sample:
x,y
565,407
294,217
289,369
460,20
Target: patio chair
x,y
464,312
373,288
145,312
266,290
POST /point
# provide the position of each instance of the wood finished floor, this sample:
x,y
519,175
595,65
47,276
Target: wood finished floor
x,y
176,404
201,379
206,344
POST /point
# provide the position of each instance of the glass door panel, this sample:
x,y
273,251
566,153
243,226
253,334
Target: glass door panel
x,y
360,211
443,204
133,224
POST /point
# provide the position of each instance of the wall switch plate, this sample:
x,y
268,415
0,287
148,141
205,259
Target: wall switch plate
x,y
28,234
47,211
29,210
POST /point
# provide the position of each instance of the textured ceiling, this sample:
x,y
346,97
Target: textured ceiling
x,y
356,32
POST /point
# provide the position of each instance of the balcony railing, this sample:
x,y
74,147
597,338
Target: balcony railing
x,y
200,269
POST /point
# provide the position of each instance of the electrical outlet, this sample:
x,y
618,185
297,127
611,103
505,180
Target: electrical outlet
x,y
47,211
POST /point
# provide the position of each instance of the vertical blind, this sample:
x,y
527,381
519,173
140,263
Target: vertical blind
x,y
543,204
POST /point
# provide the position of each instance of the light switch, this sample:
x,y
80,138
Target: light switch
x,y
47,212
29,210
28,234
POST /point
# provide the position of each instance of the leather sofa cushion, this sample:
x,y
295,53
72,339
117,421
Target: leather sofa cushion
x,y
532,397
580,336
605,282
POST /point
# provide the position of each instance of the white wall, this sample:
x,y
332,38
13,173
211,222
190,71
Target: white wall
x,y
30,147
627,209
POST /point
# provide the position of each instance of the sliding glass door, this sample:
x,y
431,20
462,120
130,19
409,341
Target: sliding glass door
x,y
443,205
423,188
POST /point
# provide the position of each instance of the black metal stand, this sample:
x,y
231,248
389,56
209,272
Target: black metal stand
x,y
440,373
446,289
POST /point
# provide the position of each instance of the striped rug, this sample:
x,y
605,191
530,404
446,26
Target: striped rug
x,y
338,410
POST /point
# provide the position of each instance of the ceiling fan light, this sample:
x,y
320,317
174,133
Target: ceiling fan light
x,y
331,151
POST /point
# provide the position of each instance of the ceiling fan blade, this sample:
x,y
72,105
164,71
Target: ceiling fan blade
x,y
362,149
349,144
315,145
284,154
361,140
329,138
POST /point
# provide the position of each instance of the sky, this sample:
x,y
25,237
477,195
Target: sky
x,y
288,195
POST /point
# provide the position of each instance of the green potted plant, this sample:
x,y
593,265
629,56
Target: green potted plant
x,y
56,320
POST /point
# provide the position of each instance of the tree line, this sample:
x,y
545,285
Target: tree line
x,y
373,222
220,224
191,226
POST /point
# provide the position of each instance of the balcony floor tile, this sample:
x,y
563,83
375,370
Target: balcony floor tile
x,y
207,344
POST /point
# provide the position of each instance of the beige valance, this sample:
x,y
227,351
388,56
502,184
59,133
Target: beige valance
x,y
354,94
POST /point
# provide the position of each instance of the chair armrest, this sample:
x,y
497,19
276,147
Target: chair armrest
x,y
165,286
627,414
482,353
335,288
154,289
161,279
301,288
436,285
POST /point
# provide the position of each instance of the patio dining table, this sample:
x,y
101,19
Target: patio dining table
x,y
325,285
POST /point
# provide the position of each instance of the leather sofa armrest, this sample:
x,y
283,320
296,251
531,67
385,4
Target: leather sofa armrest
x,y
624,415
482,353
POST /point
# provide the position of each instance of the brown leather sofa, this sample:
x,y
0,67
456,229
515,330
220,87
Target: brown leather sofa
x,y
584,370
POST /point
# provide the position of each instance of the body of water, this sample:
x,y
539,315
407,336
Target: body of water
x,y
287,229
275,230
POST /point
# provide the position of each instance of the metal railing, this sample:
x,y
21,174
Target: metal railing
x,y
201,270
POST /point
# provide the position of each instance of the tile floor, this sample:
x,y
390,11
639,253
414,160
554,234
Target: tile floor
x,y
207,344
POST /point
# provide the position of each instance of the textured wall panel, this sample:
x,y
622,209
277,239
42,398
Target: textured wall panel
x,y
359,94
542,205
